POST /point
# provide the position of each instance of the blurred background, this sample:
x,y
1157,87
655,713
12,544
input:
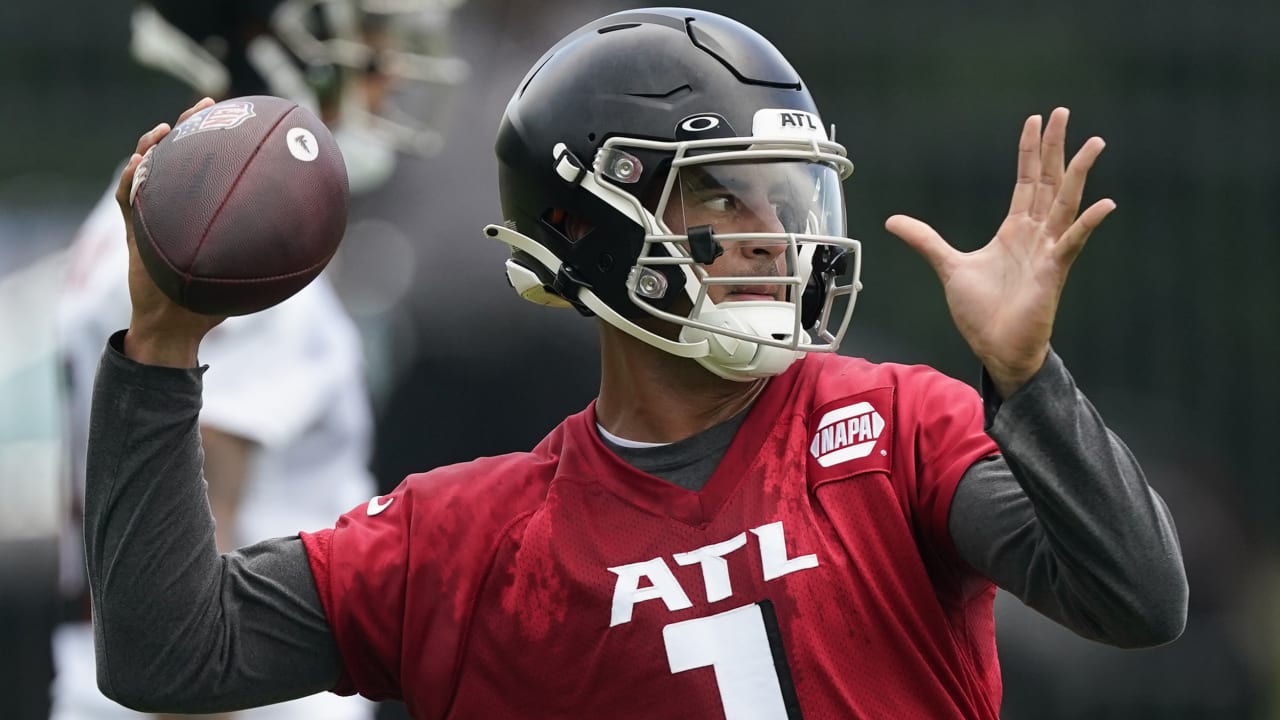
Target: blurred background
x,y
1170,322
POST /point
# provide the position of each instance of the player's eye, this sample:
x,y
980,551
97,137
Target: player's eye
x,y
718,204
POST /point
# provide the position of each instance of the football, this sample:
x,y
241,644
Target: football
x,y
240,206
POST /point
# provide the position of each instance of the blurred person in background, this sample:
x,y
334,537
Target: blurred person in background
x,y
286,426
705,243
31,494
432,363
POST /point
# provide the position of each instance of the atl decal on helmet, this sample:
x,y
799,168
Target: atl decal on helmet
x,y
773,122
223,116
845,434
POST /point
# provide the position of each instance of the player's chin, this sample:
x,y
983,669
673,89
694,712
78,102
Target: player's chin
x,y
661,328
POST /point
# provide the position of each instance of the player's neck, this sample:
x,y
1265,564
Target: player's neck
x,y
648,395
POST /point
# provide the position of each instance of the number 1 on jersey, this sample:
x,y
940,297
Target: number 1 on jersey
x,y
744,649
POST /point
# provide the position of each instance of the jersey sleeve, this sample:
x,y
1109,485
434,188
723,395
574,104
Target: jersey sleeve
x,y
274,373
947,426
360,567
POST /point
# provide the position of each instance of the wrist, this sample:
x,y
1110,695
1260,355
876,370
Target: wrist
x,y
1007,378
151,347
1006,385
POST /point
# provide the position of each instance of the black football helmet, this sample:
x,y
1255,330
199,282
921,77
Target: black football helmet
x,y
625,124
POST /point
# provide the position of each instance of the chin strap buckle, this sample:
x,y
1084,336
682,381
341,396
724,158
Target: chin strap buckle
x,y
567,283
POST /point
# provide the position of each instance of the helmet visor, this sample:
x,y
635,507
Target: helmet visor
x,y
755,197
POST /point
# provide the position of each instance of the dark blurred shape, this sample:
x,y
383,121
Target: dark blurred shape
x,y
28,612
477,371
1217,669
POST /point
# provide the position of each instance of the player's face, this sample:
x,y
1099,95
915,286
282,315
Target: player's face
x,y
750,197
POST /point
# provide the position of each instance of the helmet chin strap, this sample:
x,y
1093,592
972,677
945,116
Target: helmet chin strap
x,y
744,360
727,357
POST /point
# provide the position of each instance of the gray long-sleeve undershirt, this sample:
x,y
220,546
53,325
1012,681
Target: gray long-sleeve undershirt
x,y
1064,521
234,631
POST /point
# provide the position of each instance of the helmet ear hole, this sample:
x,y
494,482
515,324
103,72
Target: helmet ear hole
x,y
571,228
577,227
553,221
828,262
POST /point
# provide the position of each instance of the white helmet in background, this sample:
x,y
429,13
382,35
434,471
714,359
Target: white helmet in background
x,y
377,71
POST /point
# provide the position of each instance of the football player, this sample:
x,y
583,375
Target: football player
x,y
743,524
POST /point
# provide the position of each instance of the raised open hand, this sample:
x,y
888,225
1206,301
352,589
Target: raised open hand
x,y
1004,297
161,332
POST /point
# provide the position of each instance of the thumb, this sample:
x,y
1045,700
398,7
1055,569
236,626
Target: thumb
x,y
923,238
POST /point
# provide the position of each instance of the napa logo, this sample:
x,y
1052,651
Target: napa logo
x,y
845,434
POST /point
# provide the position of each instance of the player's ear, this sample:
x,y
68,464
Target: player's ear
x,y
572,227
576,228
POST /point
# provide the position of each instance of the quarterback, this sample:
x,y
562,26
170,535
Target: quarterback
x,y
744,524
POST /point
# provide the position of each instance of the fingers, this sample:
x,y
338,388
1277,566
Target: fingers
x,y
1052,152
1045,191
151,137
124,196
1067,203
924,239
131,176
201,105
124,189
1072,241
155,135
1024,192
126,182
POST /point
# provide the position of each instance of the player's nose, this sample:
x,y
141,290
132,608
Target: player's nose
x,y
762,218
761,247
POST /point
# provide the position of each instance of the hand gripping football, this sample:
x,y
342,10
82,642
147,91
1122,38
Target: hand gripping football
x,y
240,206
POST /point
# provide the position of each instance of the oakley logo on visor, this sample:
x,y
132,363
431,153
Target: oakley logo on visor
x,y
703,126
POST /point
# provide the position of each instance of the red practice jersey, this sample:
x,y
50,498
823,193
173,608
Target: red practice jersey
x,y
812,577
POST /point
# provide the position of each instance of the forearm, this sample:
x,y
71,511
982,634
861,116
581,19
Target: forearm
x,y
179,628
1067,522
